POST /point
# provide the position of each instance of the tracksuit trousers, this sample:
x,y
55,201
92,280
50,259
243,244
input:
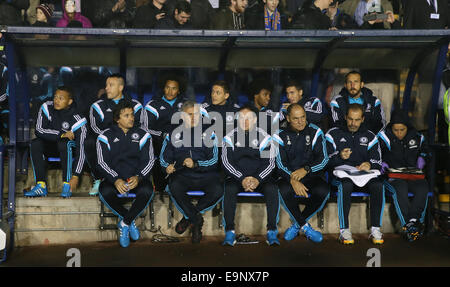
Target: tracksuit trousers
x,y
318,192
144,194
271,196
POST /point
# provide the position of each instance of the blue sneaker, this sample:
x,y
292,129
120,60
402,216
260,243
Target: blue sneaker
x,y
95,187
272,237
134,231
124,235
230,238
39,190
291,232
311,234
66,192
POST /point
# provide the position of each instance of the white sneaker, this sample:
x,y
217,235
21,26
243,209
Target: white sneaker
x,y
376,235
345,236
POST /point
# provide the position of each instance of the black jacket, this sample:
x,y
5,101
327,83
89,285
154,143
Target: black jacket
x,y
314,109
297,150
101,113
417,15
201,148
402,153
201,13
101,15
374,118
248,156
170,22
51,124
363,144
123,155
310,17
10,13
146,15
228,114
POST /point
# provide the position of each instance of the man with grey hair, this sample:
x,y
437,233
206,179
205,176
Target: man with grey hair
x,y
189,156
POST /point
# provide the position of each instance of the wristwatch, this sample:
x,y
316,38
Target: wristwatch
x,y
307,168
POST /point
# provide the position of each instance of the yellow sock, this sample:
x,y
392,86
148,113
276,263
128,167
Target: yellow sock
x,y
42,183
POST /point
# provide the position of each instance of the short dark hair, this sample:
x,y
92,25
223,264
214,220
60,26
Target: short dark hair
x,y
294,83
66,89
292,106
258,85
354,72
183,6
123,104
222,84
355,107
118,76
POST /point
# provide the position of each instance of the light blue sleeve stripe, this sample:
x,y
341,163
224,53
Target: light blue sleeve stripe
x,y
98,111
161,156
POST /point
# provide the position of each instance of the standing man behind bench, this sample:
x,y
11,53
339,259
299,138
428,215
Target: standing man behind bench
x,y
125,158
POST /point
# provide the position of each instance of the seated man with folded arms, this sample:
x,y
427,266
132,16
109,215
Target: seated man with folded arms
x,y
190,156
125,158
60,131
301,160
248,158
355,146
403,146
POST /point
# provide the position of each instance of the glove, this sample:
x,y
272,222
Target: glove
x,y
420,162
384,167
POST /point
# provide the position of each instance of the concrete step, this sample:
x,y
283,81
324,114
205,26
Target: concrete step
x,y
54,220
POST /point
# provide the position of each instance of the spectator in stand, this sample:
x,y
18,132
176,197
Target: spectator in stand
x,y
31,11
202,12
149,14
11,12
232,17
310,16
180,18
44,13
110,13
70,14
426,14
266,17
374,7
339,19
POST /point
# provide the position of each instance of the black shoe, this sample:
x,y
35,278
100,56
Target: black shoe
x,y
182,225
197,230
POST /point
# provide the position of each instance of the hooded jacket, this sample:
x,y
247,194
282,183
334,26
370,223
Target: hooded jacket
x,y
65,20
374,118
402,153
